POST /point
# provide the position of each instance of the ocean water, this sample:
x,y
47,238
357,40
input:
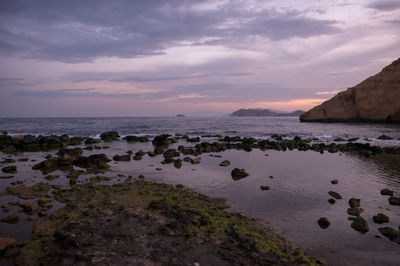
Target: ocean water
x,y
260,127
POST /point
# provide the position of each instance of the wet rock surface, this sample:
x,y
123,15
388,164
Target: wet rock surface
x,y
360,224
151,224
238,174
323,222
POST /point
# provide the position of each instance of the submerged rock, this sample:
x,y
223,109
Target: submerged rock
x,y
109,136
380,218
334,181
178,163
387,192
360,225
238,174
12,169
384,137
225,163
394,200
323,222
125,158
335,195
331,201
392,234
354,203
134,139
355,211
265,188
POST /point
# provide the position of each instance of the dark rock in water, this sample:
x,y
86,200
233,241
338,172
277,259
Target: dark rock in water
x,y
12,219
384,137
95,160
265,188
6,176
109,136
392,234
8,160
196,139
162,140
238,174
125,158
354,202
353,139
12,169
51,177
76,140
355,211
323,222
171,153
178,163
141,153
137,157
394,201
360,225
225,163
380,218
331,201
334,181
339,139
187,159
335,195
387,192
134,139
92,141
196,160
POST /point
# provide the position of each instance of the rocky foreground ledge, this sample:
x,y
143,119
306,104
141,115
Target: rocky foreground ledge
x,y
150,224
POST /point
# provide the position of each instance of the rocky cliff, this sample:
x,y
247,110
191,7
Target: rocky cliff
x,y
376,99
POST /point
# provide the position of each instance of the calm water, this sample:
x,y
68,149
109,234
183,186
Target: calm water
x,y
261,127
299,189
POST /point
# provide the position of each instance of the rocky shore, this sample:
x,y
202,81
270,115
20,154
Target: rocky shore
x,y
132,221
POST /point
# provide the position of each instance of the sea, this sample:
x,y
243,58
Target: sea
x,y
299,181
258,127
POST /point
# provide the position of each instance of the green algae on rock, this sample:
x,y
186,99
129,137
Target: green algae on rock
x,y
165,225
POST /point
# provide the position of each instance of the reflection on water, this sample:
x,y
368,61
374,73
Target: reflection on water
x,y
297,199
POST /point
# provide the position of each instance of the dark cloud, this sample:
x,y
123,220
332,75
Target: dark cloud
x,y
78,31
386,5
14,82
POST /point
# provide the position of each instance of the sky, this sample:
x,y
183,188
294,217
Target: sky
x,y
161,58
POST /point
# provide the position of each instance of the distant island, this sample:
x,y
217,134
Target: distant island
x,y
264,112
180,115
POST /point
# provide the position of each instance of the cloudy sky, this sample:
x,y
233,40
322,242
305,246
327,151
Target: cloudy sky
x,y
155,58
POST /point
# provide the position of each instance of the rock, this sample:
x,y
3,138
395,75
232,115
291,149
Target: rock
x,y
142,153
6,176
392,234
375,99
323,222
225,163
238,174
6,208
134,139
161,140
92,141
46,166
51,177
178,163
334,181
109,136
137,158
335,195
29,207
360,225
8,160
23,159
44,202
125,158
380,218
12,219
394,201
387,192
331,201
5,243
354,202
355,211
384,137
71,152
93,161
265,188
12,169
196,160
187,159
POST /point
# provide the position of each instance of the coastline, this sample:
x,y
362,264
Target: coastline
x,y
193,147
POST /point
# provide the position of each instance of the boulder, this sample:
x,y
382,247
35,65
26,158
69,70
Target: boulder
x,y
360,225
161,140
12,169
109,136
238,174
134,139
380,218
29,207
178,163
323,222
335,195
354,203
334,181
355,211
376,99
265,188
196,160
392,234
387,192
125,158
394,200
331,201
76,152
225,163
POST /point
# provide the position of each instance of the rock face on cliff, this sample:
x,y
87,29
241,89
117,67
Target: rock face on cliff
x,y
376,99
